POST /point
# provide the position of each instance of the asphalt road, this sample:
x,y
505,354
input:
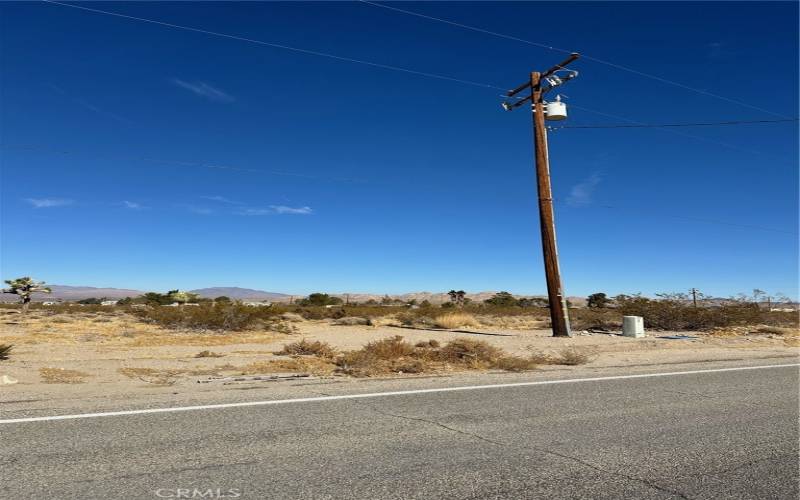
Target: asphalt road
x,y
727,434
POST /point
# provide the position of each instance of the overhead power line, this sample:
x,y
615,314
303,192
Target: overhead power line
x,y
583,56
281,46
385,66
664,125
676,131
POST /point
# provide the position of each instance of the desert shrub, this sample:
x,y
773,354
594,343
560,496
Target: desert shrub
x,y
305,347
293,317
582,319
571,357
351,321
407,318
673,312
210,316
502,299
5,351
428,344
455,320
469,351
389,348
391,355
319,299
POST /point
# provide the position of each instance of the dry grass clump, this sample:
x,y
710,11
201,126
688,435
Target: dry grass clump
x,y
312,365
569,357
391,348
475,353
385,321
62,376
777,330
515,364
5,351
395,355
455,320
572,357
515,322
305,347
208,354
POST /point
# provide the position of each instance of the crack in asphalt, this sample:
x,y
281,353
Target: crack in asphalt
x,y
433,422
741,466
709,396
590,465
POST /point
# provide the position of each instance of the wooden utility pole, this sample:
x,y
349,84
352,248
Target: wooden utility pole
x,y
559,313
694,291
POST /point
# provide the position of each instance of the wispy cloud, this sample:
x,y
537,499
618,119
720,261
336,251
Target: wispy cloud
x,y
277,210
282,209
581,193
132,205
48,202
203,89
221,199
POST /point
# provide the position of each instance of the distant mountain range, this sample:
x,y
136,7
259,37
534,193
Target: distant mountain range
x,y
234,292
72,293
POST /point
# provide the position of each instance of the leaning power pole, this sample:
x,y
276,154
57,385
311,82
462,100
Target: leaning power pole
x,y
539,84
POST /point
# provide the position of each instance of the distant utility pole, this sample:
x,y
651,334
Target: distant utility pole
x,y
539,84
694,292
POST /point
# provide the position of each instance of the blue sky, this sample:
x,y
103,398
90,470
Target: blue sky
x,y
143,156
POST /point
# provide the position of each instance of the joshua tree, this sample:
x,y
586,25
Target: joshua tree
x,y
457,297
24,287
597,300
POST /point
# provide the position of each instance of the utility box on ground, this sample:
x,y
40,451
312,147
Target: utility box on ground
x,y
633,326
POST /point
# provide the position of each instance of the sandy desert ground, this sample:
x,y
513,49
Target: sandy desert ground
x,y
84,356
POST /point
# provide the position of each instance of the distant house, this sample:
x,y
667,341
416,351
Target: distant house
x,y
49,303
262,303
109,302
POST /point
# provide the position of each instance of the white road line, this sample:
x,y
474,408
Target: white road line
x,y
382,394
